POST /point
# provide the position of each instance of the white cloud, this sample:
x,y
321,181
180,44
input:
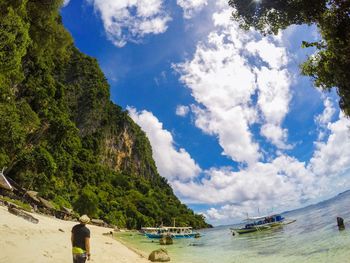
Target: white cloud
x,y
333,156
223,79
190,7
225,101
327,114
182,110
240,84
231,127
281,184
172,163
238,80
214,214
269,52
273,99
66,2
275,135
284,183
130,20
325,118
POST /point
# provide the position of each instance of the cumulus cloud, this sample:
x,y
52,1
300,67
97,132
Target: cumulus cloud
x,y
190,7
172,163
247,65
325,118
128,21
254,89
269,52
231,128
66,2
253,95
333,156
182,110
226,101
283,183
214,214
328,113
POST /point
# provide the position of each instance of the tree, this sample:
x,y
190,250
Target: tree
x,y
14,40
329,66
269,16
61,135
87,202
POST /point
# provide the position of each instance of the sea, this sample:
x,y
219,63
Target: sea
x,y
314,237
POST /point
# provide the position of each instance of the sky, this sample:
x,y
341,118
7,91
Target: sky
x,y
233,125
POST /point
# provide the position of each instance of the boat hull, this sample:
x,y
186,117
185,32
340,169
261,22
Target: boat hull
x,y
243,231
158,236
257,228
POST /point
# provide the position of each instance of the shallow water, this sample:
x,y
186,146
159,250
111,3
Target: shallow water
x,y
314,237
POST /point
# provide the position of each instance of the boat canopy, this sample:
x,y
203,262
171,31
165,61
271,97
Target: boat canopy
x,y
256,218
167,228
149,228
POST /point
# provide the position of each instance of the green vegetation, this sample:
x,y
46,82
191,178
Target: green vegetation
x,y
22,205
329,67
61,135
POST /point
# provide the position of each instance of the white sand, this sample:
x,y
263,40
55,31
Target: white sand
x,y
23,241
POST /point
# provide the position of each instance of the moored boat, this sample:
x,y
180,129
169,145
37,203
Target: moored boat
x,y
255,224
173,232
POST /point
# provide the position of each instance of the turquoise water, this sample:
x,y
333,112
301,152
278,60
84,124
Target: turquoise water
x,y
314,237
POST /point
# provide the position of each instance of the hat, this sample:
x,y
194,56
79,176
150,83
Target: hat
x,y
84,219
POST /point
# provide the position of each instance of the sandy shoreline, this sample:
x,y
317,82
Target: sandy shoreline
x,y
23,241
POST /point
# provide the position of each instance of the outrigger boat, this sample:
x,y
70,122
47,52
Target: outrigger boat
x,y
173,232
254,224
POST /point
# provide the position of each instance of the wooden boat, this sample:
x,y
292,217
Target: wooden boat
x,y
173,232
261,223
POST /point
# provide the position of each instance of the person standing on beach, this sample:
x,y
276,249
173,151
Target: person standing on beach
x,y
81,241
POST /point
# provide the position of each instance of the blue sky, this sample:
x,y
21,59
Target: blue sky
x,y
233,126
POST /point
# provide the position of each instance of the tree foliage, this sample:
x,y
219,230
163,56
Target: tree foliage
x,y
62,136
329,66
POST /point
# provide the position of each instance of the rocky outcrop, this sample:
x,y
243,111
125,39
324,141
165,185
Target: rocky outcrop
x,y
117,150
24,215
166,240
159,255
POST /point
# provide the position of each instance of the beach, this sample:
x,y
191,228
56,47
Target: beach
x,y
49,241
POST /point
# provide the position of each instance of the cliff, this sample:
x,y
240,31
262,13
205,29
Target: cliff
x,y
61,135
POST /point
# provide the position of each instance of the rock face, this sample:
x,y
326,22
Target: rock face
x,y
159,255
166,240
62,135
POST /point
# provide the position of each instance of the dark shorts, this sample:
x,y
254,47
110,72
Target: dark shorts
x,y
79,258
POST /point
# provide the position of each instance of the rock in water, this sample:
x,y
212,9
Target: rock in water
x,y
166,240
340,222
159,255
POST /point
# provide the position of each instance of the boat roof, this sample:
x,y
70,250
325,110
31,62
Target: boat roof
x,y
254,218
178,227
166,227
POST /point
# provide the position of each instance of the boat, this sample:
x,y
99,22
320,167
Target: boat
x,y
260,223
171,231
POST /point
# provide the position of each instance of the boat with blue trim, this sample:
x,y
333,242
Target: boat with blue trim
x,y
173,232
260,223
